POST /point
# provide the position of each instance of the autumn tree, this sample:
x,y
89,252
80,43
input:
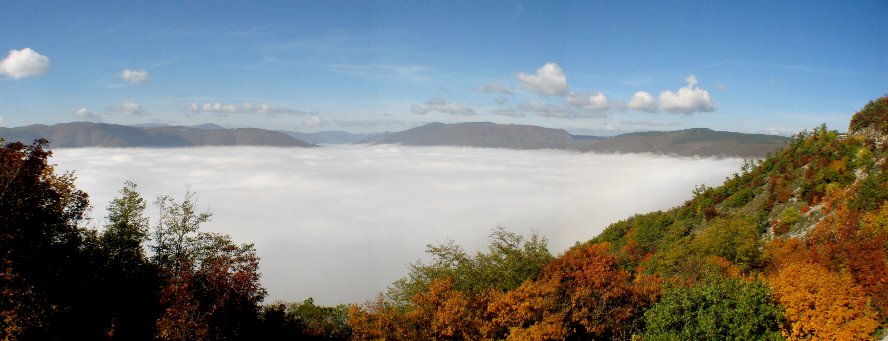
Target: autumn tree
x,y
212,288
51,265
822,304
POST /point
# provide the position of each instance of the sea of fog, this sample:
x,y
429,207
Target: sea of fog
x,y
341,223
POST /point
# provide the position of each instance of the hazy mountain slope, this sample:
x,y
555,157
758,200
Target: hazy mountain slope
x,y
697,141
701,142
481,134
86,134
329,137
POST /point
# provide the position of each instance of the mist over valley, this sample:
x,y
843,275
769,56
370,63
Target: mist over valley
x,y
340,223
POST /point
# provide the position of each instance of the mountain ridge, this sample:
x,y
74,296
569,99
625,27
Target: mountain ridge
x,y
89,134
689,142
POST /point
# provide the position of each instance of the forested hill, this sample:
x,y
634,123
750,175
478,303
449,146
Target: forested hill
x,y
87,134
696,141
481,134
688,142
794,246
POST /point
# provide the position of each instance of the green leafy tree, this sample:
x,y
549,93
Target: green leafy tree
x,y
508,262
716,308
132,283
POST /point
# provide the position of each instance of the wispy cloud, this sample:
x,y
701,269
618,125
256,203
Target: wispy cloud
x,y
397,72
129,109
246,108
494,88
135,76
442,106
84,114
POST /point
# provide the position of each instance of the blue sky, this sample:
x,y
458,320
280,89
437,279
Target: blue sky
x,y
590,67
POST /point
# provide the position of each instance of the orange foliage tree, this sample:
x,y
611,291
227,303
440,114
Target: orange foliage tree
x,y
822,304
844,241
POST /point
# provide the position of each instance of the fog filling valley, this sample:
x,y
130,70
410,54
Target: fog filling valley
x,y
341,223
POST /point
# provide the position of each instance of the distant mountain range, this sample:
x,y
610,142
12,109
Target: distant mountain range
x,y
483,134
688,142
87,134
330,137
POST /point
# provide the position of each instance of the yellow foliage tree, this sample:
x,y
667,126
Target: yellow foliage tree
x,y
821,304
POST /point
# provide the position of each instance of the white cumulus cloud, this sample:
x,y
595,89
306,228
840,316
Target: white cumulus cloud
x,y
548,80
442,106
23,63
642,101
687,100
596,102
135,76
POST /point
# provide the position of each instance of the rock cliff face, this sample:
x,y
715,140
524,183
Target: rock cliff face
x,y
871,122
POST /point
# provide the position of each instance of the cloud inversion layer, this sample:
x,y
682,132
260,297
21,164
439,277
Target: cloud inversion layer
x,y
341,223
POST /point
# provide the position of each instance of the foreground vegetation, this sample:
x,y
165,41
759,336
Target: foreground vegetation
x,y
791,247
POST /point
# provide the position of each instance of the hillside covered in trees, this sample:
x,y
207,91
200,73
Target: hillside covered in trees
x,y
794,246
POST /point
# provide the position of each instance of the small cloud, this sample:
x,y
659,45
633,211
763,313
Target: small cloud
x,y
595,102
246,108
557,110
312,121
492,88
509,112
780,131
442,106
687,100
642,101
135,76
85,114
548,80
374,123
24,63
651,123
130,109
721,87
